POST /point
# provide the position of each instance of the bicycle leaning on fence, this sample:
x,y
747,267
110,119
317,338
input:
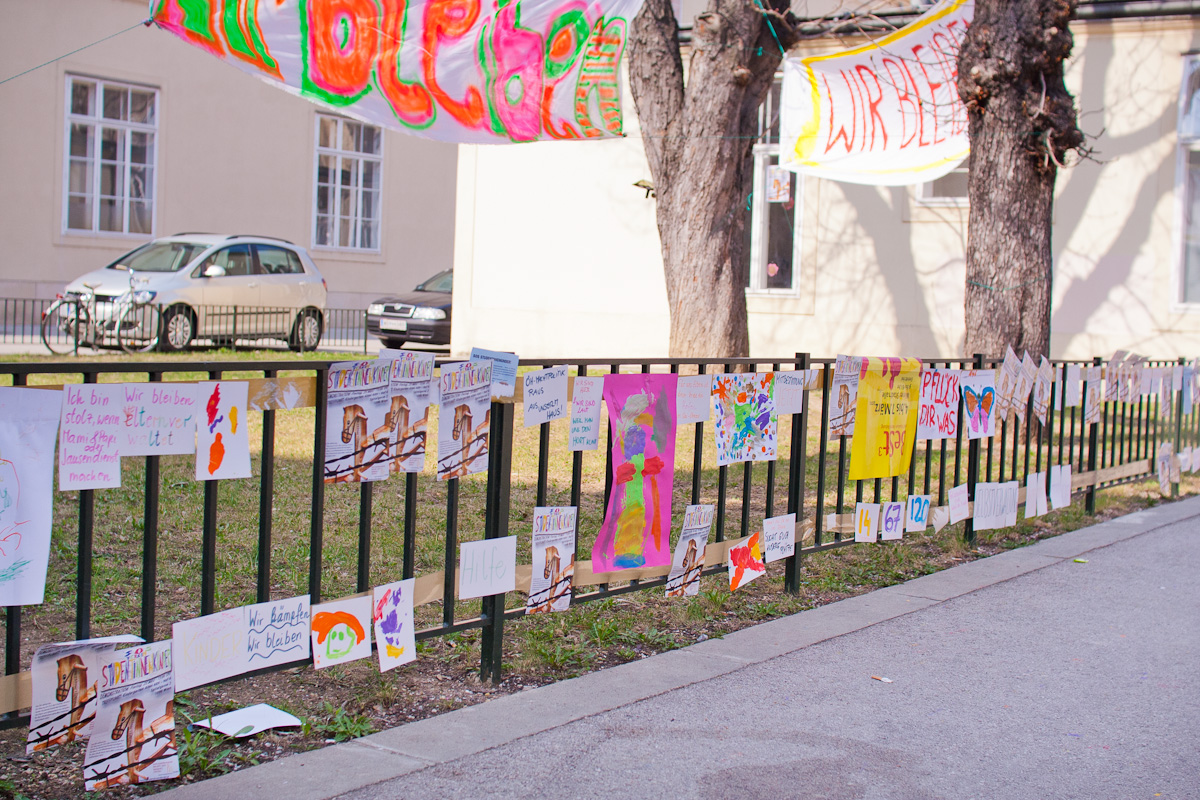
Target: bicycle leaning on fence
x,y
79,319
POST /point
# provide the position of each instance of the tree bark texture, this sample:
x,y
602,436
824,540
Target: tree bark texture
x,y
698,135
1022,124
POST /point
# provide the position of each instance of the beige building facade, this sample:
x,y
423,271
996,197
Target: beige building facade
x,y
143,136
557,253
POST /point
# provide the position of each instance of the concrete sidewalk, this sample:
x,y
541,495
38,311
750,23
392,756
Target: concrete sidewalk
x,y
1023,675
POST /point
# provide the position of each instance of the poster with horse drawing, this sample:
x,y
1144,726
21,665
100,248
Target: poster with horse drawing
x,y
688,563
637,523
465,418
133,740
64,680
843,395
553,559
359,433
28,428
407,417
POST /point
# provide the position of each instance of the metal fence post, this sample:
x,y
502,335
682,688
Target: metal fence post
x,y
150,539
1178,427
316,532
972,462
500,444
796,473
1093,438
208,539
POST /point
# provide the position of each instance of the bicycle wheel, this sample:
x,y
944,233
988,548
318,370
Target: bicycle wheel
x,y
60,326
138,328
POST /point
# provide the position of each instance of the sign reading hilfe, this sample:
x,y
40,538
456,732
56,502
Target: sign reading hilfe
x,y
487,567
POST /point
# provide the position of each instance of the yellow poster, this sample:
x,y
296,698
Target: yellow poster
x,y
886,417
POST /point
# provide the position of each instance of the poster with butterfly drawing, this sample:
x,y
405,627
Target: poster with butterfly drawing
x,y
979,402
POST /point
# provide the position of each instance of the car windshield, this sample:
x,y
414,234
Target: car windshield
x,y
159,257
442,282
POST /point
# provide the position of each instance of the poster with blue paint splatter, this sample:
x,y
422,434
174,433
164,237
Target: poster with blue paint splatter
x,y
747,423
392,615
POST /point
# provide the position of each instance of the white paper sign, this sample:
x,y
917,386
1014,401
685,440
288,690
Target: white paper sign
x,y
1035,495
789,391
917,519
222,433
392,615
779,537
158,419
688,561
939,517
341,631
585,414
693,400
487,567
960,503
504,370
995,505
545,395
891,521
553,545
866,522
249,721
1060,486
88,456
1073,393
28,427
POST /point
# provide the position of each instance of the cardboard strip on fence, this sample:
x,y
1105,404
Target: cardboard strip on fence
x,y
278,394
16,692
1121,471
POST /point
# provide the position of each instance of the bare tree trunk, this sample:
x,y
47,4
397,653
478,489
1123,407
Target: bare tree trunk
x,y
1022,124
698,138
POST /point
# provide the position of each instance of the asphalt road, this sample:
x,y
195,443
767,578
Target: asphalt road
x,y
1077,680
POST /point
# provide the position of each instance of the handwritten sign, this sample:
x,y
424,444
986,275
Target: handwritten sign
x,y
1035,495
504,369
917,519
88,453
585,414
487,567
789,390
938,415
960,507
693,401
341,631
891,521
222,435
995,505
886,420
545,395
158,419
779,537
866,522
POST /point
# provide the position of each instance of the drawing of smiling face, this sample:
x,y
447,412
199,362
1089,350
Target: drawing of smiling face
x,y
339,641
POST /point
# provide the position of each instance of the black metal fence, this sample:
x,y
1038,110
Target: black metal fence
x,y
810,479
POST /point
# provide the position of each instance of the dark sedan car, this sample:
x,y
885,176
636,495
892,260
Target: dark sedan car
x,y
421,316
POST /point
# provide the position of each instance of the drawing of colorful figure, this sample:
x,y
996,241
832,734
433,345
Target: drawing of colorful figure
x,y
746,420
336,634
637,524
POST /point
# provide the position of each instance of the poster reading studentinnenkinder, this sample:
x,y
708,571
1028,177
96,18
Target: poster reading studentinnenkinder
x,y
407,417
465,389
553,559
359,433
688,563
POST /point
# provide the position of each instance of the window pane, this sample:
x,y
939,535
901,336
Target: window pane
x,y
112,180
349,173
370,205
344,229
371,138
82,95
141,107
116,103
327,135
1191,230
781,229
81,140
326,166
112,144
139,181
141,148
366,235
323,199
80,179
79,213
370,174
140,218
273,260
351,136
322,233
294,264
952,184
112,214
1189,94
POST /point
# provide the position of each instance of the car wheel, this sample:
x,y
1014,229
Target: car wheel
x,y
306,331
179,328
394,344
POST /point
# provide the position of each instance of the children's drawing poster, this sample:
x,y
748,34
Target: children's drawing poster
x,y
979,402
843,395
693,401
745,561
545,395
1007,379
341,631
938,415
688,562
29,421
891,521
1112,376
866,522
158,419
637,523
228,643
222,438
1041,390
587,395
553,559
392,614
88,454
917,518
65,680
1025,382
134,737
747,425
779,537
407,418
359,430
779,184
886,421
465,419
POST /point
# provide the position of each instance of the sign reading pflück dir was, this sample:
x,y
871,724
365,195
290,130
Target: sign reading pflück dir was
x,y
452,70
887,113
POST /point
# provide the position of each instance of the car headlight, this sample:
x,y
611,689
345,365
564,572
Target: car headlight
x,y
375,309
424,312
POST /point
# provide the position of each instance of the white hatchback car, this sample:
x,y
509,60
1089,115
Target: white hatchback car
x,y
221,288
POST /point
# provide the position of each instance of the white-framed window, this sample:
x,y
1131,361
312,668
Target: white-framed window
x,y
948,190
774,205
348,184
1187,169
110,157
